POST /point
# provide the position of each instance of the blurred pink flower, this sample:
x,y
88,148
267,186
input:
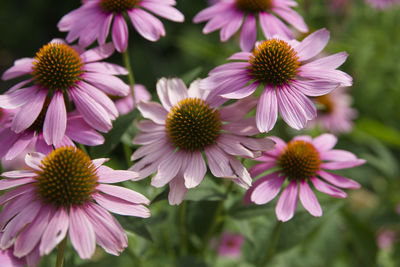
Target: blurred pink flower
x,y
59,73
125,104
335,114
66,192
398,209
229,15
288,73
385,238
186,125
230,245
93,20
382,4
301,161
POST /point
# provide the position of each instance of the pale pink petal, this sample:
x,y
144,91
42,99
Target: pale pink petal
x,y
104,29
18,174
292,17
286,206
210,12
267,110
55,231
291,111
261,167
195,170
120,33
232,145
312,44
24,140
120,206
146,24
21,67
324,142
106,68
55,122
18,201
18,86
329,62
237,110
327,188
27,115
267,189
18,97
10,183
110,176
315,87
229,29
81,232
153,111
168,169
240,56
165,11
123,193
176,91
214,24
337,155
243,177
79,131
338,180
33,258
245,127
98,162
98,53
248,33
177,190
218,162
342,165
34,160
241,93
308,199
108,83
272,26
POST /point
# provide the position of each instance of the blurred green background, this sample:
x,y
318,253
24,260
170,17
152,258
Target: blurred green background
x,y
346,234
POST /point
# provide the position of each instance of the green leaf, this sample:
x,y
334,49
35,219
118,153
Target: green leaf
x,y
385,133
113,137
191,75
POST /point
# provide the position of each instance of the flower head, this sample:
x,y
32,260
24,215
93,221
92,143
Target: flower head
x,y
230,245
93,21
287,73
299,162
335,114
186,125
64,192
229,15
58,75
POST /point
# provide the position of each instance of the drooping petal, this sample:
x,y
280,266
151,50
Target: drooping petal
x,y
324,142
338,180
286,206
327,189
267,189
120,206
308,199
55,231
81,233
312,44
168,169
177,190
123,193
110,176
55,122
120,33
248,34
195,170
153,111
267,110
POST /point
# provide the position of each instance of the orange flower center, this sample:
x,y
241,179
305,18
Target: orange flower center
x,y
118,6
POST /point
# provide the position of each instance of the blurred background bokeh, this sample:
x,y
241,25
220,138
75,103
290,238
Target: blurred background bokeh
x,y
363,230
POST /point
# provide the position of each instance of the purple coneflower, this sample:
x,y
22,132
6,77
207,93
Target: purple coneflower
x,y
64,192
287,74
230,245
299,162
59,74
186,125
93,20
125,104
229,15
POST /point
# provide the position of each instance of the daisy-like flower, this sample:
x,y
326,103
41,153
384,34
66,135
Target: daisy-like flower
x,y
64,192
287,73
299,162
187,124
229,15
59,74
14,144
125,104
93,20
230,245
335,113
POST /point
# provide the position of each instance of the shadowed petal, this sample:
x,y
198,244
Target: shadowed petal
x,y
286,206
309,200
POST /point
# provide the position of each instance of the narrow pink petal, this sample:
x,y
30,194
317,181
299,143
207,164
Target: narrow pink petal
x,y
104,29
291,111
327,189
162,92
305,138
55,122
34,160
312,44
244,127
176,90
292,17
248,34
10,183
261,167
342,164
338,180
123,193
81,233
107,83
30,236
110,176
149,126
25,139
8,259
177,190
229,29
214,24
267,110
237,110
329,62
120,33
315,87
79,131
11,194
165,11
210,12
243,177
241,93
18,174
27,115
33,258
109,233
232,145
337,155
286,206
18,86
240,56
272,26
146,24
308,199
218,162
195,170
21,67
120,206
106,68
41,145
153,111
98,53
18,97
98,162
17,204
268,189
327,75
168,169
324,142
55,231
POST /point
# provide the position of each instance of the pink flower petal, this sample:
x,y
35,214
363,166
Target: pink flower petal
x,y
315,87
260,168
110,176
104,29
218,162
120,33
229,29
177,190
18,97
165,11
55,122
292,17
272,26
106,68
195,170
21,67
237,110
120,206
324,142
34,160
241,93
337,155
81,232
267,110
168,169
338,180
243,177
55,231
248,34
342,164
98,53
286,206
312,44
123,193
107,83
212,11
327,189
17,200
79,131
24,140
10,183
153,111
176,91
329,62
146,24
267,189
309,200
19,174
240,56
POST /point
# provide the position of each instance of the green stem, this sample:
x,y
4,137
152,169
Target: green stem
x,y
182,228
83,148
271,249
60,253
216,219
127,153
127,63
